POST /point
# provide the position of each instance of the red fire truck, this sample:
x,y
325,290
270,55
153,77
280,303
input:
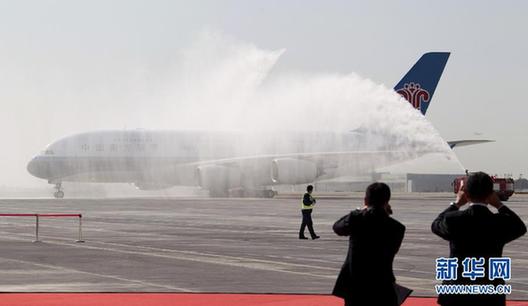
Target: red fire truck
x,y
503,186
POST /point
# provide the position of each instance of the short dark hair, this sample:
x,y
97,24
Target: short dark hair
x,y
309,188
377,194
479,186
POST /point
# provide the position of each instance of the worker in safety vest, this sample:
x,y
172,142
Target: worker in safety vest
x,y
307,206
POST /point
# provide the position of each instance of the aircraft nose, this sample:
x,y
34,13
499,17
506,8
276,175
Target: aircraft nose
x,y
38,167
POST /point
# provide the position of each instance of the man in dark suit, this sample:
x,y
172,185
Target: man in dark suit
x,y
366,277
476,232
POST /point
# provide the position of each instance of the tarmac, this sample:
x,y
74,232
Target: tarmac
x,y
213,245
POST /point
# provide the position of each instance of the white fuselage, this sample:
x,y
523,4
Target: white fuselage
x,y
160,159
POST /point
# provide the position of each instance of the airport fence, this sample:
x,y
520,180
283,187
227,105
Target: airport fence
x,y
39,216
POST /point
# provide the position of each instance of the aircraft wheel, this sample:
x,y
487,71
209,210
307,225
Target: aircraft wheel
x,y
270,193
58,194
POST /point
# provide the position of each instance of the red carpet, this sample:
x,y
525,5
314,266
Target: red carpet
x,y
184,299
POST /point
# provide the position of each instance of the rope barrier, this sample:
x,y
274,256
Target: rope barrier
x,y
41,215
38,216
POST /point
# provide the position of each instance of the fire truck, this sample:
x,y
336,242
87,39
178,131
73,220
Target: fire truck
x,y
503,186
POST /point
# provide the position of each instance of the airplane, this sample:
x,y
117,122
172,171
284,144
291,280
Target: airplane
x,y
225,161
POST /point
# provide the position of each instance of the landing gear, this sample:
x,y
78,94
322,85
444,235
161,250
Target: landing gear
x,y
242,193
269,193
59,194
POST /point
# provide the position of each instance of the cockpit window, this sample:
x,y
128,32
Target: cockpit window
x,y
48,152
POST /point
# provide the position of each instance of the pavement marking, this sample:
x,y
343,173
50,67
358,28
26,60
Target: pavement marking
x,y
273,262
167,236
70,270
232,229
239,262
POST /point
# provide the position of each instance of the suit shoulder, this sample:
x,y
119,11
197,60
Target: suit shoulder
x,y
453,218
397,224
355,216
356,213
457,213
454,213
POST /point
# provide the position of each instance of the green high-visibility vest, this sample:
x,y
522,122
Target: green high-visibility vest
x,y
303,206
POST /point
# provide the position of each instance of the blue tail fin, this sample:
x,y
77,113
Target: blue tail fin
x,y
419,84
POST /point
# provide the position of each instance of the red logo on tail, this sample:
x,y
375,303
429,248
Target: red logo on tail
x,y
414,93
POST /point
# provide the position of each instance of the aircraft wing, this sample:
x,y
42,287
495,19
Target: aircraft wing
x,y
329,164
311,156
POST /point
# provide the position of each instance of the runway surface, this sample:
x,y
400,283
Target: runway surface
x,y
212,245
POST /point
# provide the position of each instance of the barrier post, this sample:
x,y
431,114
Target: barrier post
x,y
80,240
36,228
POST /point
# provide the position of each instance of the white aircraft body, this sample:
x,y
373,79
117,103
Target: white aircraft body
x,y
217,161
222,161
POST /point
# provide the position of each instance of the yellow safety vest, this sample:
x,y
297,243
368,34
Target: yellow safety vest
x,y
307,206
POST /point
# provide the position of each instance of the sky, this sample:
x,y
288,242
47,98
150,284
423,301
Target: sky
x,y
72,66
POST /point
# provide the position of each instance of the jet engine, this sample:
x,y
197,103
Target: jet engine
x,y
293,171
221,178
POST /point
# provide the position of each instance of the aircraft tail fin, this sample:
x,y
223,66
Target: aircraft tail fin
x,y
419,84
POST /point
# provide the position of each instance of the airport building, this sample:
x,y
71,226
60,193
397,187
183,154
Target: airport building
x,y
408,182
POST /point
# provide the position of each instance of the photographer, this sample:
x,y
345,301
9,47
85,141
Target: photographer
x,y
478,233
366,277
